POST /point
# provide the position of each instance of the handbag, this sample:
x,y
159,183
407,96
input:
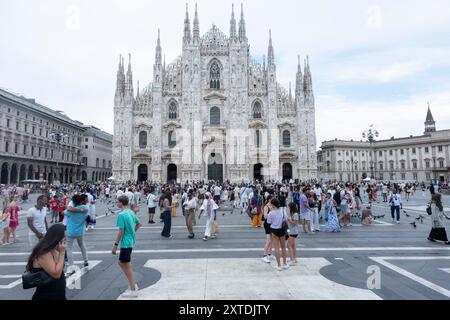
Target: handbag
x,y
284,226
215,227
36,279
429,211
254,211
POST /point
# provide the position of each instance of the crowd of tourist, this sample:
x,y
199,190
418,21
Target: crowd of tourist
x,y
282,210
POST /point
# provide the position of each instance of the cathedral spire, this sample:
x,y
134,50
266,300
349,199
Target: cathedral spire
x,y
242,33
129,83
120,85
187,28
264,62
196,36
299,81
307,85
270,54
233,34
158,54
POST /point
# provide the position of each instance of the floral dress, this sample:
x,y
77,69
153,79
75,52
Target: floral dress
x,y
332,223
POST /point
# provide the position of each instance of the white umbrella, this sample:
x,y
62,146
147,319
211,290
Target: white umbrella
x,y
111,178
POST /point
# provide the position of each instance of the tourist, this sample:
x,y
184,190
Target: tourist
x,y
151,205
305,211
36,220
276,218
54,206
75,227
48,256
384,192
268,246
437,232
174,203
313,204
292,233
367,216
208,209
396,205
256,204
128,223
331,219
5,226
166,216
13,218
237,198
189,213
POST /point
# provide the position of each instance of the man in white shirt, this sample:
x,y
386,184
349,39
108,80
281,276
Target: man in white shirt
x,y
130,196
384,191
37,222
396,204
107,192
151,204
217,191
119,193
190,205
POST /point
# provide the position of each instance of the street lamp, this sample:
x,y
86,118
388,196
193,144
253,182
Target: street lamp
x,y
370,135
58,136
352,162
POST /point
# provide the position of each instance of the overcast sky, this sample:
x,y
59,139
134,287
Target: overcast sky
x,y
373,62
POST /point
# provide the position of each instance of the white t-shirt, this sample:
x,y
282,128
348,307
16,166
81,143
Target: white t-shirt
x,y
107,191
151,200
130,195
38,217
217,190
318,193
119,193
396,200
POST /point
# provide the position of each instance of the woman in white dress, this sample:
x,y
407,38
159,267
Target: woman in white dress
x,y
208,209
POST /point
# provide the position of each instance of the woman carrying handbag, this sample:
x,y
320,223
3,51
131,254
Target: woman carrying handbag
x,y
45,267
437,232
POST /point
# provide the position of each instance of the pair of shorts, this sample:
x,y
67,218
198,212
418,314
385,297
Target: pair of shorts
x,y
125,255
291,236
152,210
278,232
267,228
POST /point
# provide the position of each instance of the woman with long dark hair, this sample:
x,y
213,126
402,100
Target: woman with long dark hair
x,y
437,218
275,219
48,256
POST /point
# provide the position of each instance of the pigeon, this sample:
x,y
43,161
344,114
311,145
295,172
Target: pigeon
x,y
378,217
413,224
418,218
408,215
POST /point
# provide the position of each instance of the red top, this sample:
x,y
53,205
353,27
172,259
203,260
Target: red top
x,y
54,204
14,214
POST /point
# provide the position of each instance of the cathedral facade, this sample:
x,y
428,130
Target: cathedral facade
x,y
214,113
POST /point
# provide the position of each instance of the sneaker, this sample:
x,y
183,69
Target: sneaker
x,y
266,259
350,225
152,222
205,238
278,268
191,236
213,236
130,293
285,267
398,222
86,264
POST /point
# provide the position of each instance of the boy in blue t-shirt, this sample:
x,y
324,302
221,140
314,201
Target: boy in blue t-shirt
x,y
128,223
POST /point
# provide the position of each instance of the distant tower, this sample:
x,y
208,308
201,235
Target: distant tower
x,y
430,124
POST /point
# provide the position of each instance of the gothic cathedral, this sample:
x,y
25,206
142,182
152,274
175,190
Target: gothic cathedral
x,y
214,114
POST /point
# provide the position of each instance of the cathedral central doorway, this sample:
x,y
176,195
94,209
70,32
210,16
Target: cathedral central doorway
x,y
287,171
215,167
142,173
171,173
257,172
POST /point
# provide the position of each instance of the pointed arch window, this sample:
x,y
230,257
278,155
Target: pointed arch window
x,y
214,74
173,110
142,139
214,116
257,110
286,138
172,139
258,138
